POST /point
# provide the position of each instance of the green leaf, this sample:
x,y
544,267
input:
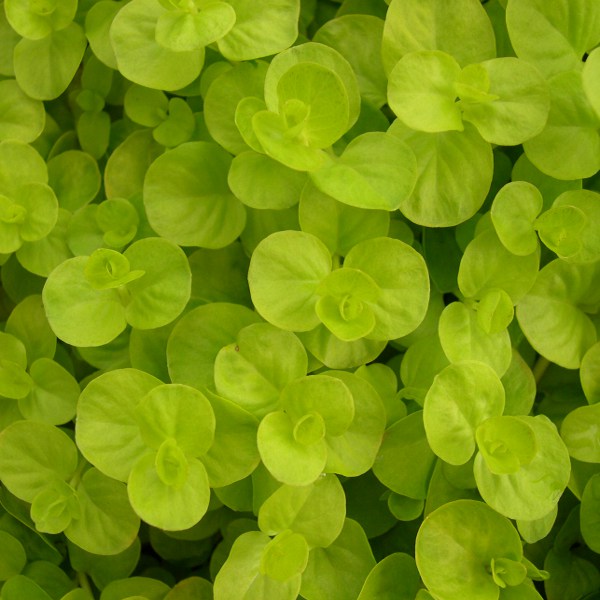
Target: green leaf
x,y
34,455
463,338
139,55
53,398
560,229
532,491
589,374
316,511
463,395
589,512
260,33
107,432
22,117
285,271
456,545
375,171
394,578
514,211
37,20
122,589
569,145
460,29
338,225
182,31
590,79
250,371
318,54
261,182
519,103
284,557
578,431
405,461
454,173
401,275
145,106
191,206
20,586
179,413
45,67
12,556
554,314
339,571
563,31
421,91
171,506
197,338
495,311
289,460
341,34
107,524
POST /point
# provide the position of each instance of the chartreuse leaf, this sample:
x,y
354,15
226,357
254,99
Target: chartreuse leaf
x,y
534,531
589,374
12,556
22,117
285,271
262,182
375,171
53,397
254,559
21,586
192,206
34,456
136,588
191,588
463,395
44,67
318,54
590,503
140,56
234,453
569,145
338,225
394,578
353,452
341,34
316,511
250,371
339,571
514,212
106,523
35,21
145,106
292,441
189,29
554,314
344,303
260,33
454,173
578,431
519,387
199,335
517,105
463,338
590,79
405,460
460,30
401,275
532,490
107,431
584,225
560,229
565,30
495,310
221,101
456,561
109,284
98,20
421,91
244,112
486,264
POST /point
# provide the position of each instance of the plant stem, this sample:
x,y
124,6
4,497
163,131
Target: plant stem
x,y
84,583
540,368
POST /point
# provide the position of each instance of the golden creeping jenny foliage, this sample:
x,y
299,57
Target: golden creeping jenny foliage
x,y
299,299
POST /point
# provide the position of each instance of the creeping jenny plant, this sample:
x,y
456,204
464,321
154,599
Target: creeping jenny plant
x,y
299,299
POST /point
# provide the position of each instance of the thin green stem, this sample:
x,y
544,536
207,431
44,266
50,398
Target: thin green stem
x,y
540,368
84,583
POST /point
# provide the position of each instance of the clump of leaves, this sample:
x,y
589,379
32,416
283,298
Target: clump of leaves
x,y
299,299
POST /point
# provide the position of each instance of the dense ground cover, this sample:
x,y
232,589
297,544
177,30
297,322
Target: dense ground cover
x,y
299,299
